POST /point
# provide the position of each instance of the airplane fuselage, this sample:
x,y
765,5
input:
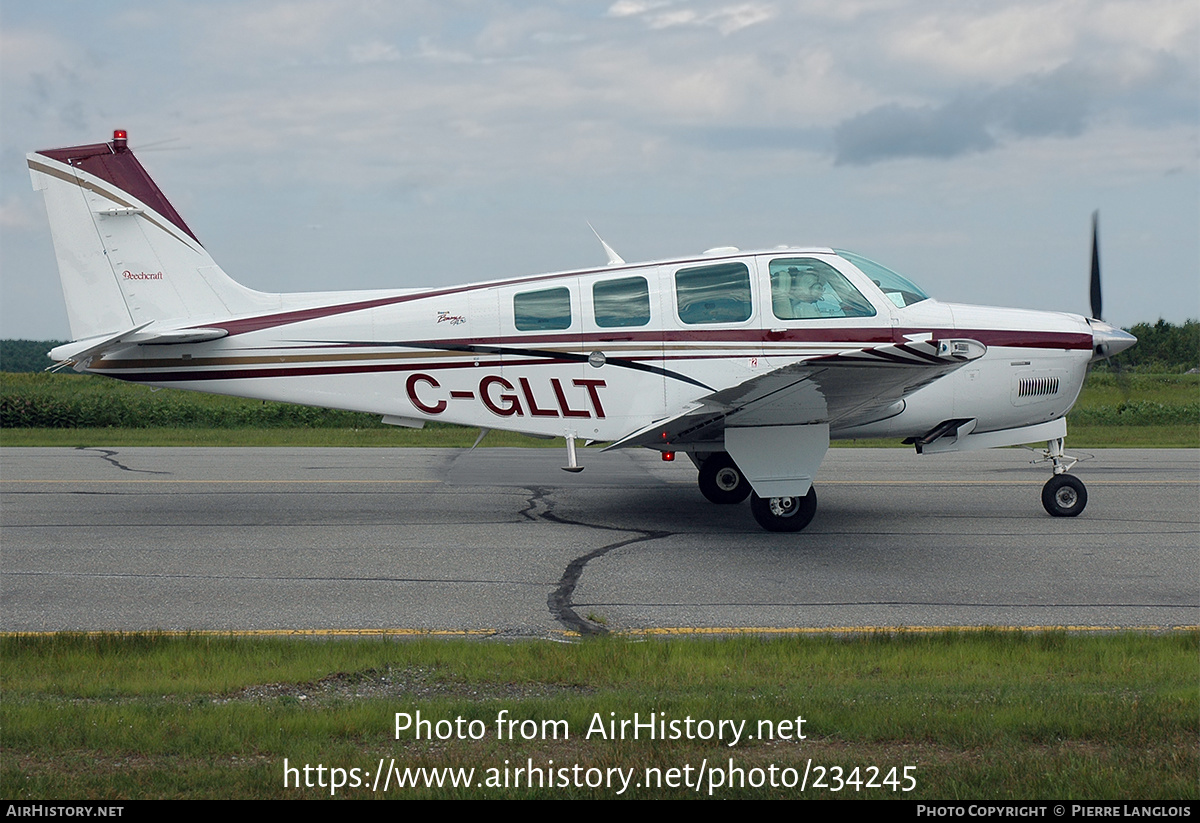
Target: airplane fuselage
x,y
467,355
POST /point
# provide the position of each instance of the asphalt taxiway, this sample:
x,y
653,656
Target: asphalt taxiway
x,y
501,541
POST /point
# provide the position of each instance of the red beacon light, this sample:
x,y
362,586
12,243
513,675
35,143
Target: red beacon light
x,y
119,139
668,457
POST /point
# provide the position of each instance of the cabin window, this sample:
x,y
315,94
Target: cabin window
x,y
803,288
624,302
714,294
545,310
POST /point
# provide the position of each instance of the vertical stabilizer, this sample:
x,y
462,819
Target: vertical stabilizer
x,y
125,256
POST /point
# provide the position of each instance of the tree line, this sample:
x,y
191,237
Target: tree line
x,y
1161,347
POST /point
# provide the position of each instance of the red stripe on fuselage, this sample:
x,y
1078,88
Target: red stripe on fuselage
x,y
868,336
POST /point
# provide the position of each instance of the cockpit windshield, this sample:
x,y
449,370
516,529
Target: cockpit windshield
x,y
900,290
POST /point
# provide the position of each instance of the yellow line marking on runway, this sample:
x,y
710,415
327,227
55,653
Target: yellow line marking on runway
x,y
636,633
272,633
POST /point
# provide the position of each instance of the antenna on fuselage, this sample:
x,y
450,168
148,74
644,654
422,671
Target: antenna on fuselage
x,y
614,259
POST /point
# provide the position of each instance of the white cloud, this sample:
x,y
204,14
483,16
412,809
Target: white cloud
x,y
374,52
996,44
632,8
726,19
1006,43
1156,25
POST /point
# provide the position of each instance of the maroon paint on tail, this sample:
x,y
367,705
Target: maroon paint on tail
x,y
115,164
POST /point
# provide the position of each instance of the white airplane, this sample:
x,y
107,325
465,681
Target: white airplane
x,y
748,362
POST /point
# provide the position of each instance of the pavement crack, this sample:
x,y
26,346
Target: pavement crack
x,y
560,600
537,500
110,456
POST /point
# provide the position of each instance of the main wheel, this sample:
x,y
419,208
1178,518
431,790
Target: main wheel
x,y
784,514
721,481
1064,495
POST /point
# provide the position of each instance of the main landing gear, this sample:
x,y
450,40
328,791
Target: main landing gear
x,y
784,514
1064,495
722,482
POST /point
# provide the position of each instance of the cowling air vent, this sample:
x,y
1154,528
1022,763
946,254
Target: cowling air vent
x,y
1037,387
1032,386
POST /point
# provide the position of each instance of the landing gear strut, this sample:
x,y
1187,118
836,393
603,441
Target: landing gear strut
x,y
784,514
1064,495
721,481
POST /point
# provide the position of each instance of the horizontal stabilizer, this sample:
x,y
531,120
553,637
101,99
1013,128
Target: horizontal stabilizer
x,y
176,337
81,351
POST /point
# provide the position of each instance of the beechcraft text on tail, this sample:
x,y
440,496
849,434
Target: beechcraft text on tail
x,y
748,362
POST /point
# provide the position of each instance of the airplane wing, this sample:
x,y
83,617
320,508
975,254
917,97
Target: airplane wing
x,y
839,390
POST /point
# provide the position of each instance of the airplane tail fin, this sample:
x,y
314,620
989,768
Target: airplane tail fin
x,y
125,257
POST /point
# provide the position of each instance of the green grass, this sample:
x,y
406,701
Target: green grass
x,y
1107,387
982,715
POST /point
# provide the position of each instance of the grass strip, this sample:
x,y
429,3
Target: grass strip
x,y
978,715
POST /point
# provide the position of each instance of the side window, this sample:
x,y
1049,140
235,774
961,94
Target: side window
x,y
544,310
806,288
714,294
624,302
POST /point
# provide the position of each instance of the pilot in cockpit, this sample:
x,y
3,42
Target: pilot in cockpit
x,y
805,295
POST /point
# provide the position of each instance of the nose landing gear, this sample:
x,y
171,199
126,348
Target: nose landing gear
x,y
1064,495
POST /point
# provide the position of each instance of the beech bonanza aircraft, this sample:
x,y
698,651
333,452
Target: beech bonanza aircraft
x,y
748,362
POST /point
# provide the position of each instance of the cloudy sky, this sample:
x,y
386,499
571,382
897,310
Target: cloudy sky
x,y
360,143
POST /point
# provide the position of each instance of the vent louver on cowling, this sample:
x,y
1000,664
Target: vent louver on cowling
x,y
1037,387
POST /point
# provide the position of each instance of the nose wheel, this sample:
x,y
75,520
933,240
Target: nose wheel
x,y
1064,495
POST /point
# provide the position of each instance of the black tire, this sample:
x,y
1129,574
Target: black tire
x,y
721,481
1064,495
784,514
